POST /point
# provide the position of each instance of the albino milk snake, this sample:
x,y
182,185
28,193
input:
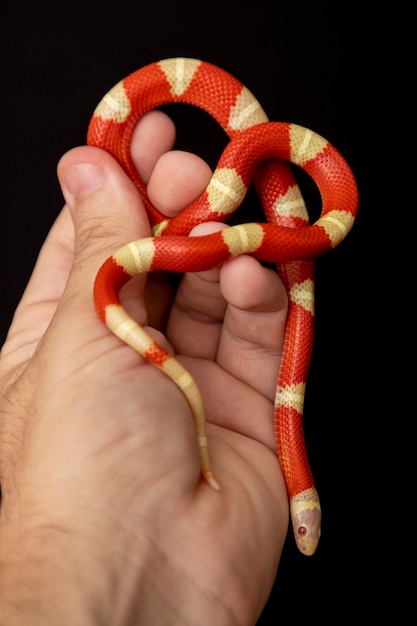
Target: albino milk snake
x,y
259,151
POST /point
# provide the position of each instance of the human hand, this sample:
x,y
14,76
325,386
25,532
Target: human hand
x,y
104,516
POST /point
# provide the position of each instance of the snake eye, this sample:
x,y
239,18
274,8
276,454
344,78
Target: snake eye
x,y
302,530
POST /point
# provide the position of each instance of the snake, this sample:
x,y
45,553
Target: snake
x,y
262,153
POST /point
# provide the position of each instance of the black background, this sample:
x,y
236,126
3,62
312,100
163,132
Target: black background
x,y
318,64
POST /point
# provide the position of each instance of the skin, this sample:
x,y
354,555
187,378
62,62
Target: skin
x,y
105,518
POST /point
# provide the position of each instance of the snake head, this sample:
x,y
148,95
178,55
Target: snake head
x,y
306,523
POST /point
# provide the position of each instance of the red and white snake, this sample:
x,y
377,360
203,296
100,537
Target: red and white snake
x,y
261,152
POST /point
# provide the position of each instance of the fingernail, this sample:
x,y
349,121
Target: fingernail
x,y
81,178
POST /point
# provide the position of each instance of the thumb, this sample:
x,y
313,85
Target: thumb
x,y
106,210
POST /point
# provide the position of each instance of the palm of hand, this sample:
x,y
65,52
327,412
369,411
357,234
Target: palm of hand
x,y
110,454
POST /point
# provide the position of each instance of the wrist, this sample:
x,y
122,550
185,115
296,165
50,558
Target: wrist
x,y
44,582
53,576
37,585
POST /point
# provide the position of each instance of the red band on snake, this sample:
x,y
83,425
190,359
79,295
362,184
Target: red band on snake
x,y
259,152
